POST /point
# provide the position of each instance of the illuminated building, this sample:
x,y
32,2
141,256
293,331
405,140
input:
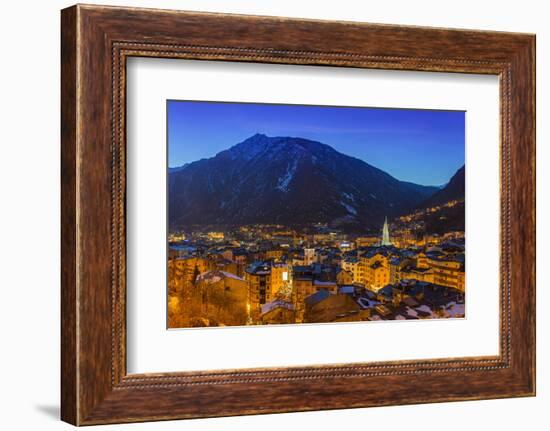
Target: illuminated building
x,y
277,312
351,265
366,241
346,245
309,256
224,298
265,280
274,254
259,280
329,286
229,266
176,236
324,306
378,275
416,273
448,271
396,266
216,236
344,277
373,270
280,279
302,288
185,270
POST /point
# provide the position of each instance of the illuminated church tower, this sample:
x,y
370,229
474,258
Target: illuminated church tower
x,y
385,233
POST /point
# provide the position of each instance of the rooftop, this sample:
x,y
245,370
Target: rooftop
x,y
317,297
216,276
278,303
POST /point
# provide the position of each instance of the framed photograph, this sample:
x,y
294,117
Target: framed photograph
x,y
324,214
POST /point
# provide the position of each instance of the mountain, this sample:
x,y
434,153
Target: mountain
x,y
286,180
446,218
177,168
453,190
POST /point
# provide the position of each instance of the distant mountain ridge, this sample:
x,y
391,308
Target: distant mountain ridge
x,y
177,168
446,218
287,180
453,190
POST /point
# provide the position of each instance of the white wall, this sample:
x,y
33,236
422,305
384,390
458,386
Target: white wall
x,y
29,224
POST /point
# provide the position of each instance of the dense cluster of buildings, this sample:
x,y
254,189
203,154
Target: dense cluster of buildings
x,y
268,274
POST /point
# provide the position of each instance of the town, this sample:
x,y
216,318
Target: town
x,y
275,274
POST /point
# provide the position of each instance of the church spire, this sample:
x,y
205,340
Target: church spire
x,y
385,233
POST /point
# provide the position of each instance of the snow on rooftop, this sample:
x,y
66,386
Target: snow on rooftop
x,y
425,309
347,289
349,208
411,312
367,303
229,275
216,276
278,303
456,310
324,283
209,277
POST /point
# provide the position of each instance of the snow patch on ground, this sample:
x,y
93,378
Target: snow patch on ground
x,y
424,308
349,208
456,310
411,312
284,181
349,196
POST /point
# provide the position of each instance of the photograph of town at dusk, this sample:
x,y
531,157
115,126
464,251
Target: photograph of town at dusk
x,y
292,214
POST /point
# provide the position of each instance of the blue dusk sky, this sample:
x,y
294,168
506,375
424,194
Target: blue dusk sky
x,y
421,146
